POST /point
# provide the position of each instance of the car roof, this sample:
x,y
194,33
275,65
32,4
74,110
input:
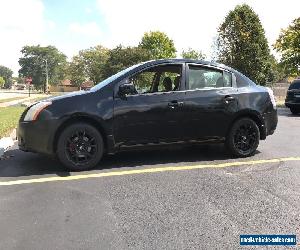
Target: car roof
x,y
202,62
178,60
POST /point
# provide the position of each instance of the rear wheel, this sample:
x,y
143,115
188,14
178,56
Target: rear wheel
x,y
243,138
80,147
295,110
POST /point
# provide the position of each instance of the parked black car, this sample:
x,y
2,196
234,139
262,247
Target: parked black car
x,y
292,100
154,103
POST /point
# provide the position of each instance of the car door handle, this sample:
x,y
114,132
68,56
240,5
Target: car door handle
x,y
174,104
228,99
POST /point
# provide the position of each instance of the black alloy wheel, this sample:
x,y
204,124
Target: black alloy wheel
x,y
80,147
243,138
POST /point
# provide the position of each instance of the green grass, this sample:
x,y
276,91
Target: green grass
x,y
11,99
9,117
39,99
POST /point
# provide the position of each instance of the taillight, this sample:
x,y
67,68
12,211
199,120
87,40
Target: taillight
x,y
272,97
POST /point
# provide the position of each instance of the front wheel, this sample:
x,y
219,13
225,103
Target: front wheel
x,y
80,147
243,138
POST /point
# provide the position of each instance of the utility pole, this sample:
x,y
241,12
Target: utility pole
x,y
47,77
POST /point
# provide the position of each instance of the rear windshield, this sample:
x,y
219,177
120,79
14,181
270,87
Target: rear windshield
x,y
295,85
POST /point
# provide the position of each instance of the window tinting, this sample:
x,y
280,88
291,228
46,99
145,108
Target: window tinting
x,y
227,79
163,78
243,81
143,81
201,78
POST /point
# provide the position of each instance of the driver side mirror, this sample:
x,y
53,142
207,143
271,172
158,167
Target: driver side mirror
x,y
126,89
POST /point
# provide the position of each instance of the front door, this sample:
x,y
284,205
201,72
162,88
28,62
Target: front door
x,y
154,113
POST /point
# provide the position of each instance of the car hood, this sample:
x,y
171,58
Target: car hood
x,y
68,95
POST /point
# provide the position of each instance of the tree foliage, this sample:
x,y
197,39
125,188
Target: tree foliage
x,y
88,64
98,63
33,64
288,44
6,74
158,45
2,82
192,54
124,57
242,44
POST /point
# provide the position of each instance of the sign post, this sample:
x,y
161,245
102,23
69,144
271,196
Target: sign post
x,y
28,80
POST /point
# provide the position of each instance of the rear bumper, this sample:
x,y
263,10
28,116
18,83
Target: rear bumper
x,y
270,120
37,136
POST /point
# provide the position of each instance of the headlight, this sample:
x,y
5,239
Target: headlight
x,y
271,94
34,111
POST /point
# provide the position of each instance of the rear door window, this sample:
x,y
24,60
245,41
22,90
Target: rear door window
x,y
206,78
227,79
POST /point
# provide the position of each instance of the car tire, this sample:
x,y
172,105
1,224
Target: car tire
x,y
243,138
80,147
295,111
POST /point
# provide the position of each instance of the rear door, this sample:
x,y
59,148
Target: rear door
x,y
211,101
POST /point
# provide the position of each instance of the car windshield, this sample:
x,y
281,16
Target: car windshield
x,y
113,77
295,85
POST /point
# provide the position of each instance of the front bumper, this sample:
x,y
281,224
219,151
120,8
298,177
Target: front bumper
x,y
292,99
290,104
37,136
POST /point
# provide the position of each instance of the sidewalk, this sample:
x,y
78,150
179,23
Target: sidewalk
x,y
21,100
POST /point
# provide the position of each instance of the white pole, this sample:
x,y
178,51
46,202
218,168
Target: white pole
x,y
47,76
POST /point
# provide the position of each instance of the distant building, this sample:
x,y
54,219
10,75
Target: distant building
x,y
64,86
67,86
87,85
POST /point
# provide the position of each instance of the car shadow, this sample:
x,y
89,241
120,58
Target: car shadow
x,y
286,112
17,163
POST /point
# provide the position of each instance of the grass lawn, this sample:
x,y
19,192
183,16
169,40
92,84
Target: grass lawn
x,y
9,118
12,99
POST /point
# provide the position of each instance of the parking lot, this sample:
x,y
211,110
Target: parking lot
x,y
193,198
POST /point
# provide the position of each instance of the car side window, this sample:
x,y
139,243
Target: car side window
x,y
227,79
164,78
202,77
143,81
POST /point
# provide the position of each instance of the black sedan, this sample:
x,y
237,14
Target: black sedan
x,y
156,103
292,100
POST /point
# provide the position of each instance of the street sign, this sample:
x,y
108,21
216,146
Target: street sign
x,y
28,80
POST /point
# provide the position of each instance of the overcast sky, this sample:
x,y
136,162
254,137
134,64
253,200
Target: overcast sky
x,y
72,25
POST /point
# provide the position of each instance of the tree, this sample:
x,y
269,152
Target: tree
x,y
37,60
76,71
158,45
89,64
242,44
6,74
2,82
288,44
124,57
192,54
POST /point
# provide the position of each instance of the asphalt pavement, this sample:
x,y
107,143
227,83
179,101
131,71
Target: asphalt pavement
x,y
160,199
